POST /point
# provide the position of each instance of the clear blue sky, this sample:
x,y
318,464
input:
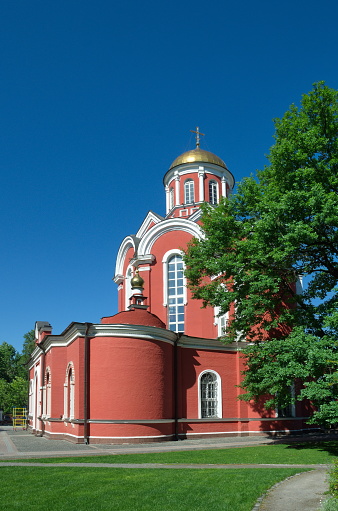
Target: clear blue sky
x,y
97,99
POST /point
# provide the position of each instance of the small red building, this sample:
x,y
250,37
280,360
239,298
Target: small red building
x,y
156,370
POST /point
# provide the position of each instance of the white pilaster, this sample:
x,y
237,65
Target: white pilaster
x,y
201,174
167,199
177,190
224,189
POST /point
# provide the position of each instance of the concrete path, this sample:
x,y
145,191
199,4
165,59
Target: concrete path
x,y
303,492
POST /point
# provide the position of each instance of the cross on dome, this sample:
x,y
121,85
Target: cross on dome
x,y
197,131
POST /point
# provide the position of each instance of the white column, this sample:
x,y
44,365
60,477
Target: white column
x,y
224,190
201,174
177,190
167,199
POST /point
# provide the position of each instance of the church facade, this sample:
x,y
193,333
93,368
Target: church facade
x,y
156,370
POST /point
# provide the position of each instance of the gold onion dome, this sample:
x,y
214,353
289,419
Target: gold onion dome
x,y
198,155
137,281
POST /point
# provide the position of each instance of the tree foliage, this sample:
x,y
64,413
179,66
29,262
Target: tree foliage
x,y
14,373
278,229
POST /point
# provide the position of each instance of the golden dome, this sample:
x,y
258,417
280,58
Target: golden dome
x,y
198,155
137,281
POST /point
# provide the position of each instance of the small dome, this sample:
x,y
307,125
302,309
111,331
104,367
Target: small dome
x,y
137,281
198,155
134,317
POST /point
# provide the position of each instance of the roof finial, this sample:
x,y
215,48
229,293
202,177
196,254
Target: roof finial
x,y
197,131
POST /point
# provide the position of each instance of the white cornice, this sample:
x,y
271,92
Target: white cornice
x,y
75,330
149,219
142,259
190,168
186,341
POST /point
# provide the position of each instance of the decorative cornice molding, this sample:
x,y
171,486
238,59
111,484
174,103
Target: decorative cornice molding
x,y
201,343
151,217
76,330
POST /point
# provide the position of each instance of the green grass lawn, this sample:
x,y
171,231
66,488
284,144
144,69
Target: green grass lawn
x,y
303,453
125,489
101,489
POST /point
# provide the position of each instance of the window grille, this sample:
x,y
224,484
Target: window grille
x,y
213,192
209,392
175,294
171,198
189,192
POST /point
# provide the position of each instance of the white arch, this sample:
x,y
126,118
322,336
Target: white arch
x,y
168,225
127,243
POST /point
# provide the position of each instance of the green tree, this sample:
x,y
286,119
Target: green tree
x,y
28,346
279,228
9,361
13,394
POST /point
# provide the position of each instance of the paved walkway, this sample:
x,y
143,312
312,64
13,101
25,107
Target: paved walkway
x,y
303,492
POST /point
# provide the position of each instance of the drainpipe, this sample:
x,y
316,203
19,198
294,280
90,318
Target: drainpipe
x,y
175,361
86,384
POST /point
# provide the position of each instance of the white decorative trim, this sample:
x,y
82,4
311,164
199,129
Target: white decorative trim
x,y
200,343
149,219
193,168
195,216
127,243
223,182
167,191
142,259
168,225
142,332
201,174
177,189
219,395
127,286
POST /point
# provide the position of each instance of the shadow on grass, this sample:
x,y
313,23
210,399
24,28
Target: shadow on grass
x,y
331,447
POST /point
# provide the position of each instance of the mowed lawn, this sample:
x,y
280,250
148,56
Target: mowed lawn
x,y
81,488
130,489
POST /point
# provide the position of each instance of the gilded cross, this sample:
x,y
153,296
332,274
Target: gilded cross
x,y
197,131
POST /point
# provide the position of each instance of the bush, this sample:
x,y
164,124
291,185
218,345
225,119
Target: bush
x,y
334,479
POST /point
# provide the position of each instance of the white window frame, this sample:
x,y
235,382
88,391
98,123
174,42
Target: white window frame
x,y
213,190
219,410
165,259
221,321
171,198
127,286
69,393
189,191
175,299
291,406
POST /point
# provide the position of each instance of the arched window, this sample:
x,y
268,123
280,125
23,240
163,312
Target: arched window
x,y
31,396
175,293
213,195
69,395
127,287
48,388
171,198
221,320
189,191
210,396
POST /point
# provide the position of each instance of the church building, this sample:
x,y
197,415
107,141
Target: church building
x,y
156,370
